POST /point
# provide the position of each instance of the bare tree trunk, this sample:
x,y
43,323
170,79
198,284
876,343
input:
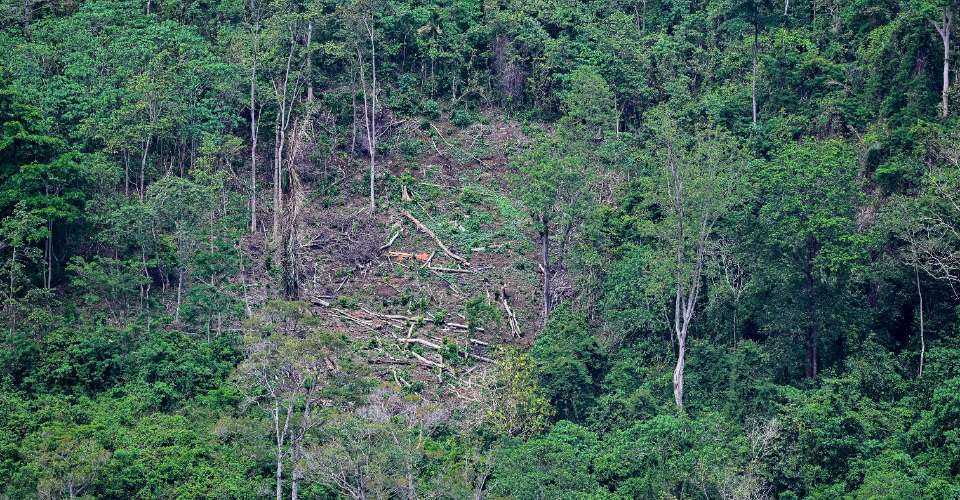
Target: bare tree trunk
x,y
373,115
678,370
812,337
944,30
736,309
370,108
281,434
295,484
143,167
643,17
176,315
545,267
753,83
685,302
923,344
253,129
282,123
309,62
279,460
49,246
13,265
353,110
278,180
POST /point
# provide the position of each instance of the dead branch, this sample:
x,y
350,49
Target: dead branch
x,y
392,239
449,145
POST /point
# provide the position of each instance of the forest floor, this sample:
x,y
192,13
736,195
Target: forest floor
x,y
442,275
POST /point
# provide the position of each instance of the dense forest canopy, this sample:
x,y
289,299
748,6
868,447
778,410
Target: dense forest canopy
x,y
479,249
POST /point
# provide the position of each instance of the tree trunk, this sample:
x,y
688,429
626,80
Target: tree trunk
x,y
176,315
13,265
545,265
372,131
736,309
680,322
49,245
944,30
366,125
753,83
280,436
295,484
253,134
279,472
812,335
277,181
282,124
309,62
923,343
678,370
143,167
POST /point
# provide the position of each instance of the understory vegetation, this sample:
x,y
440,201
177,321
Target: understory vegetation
x,y
536,249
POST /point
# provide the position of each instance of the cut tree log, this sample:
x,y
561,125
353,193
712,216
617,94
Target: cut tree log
x,y
427,343
451,270
433,235
514,325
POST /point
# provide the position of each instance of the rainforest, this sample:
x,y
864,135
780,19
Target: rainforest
x,y
486,249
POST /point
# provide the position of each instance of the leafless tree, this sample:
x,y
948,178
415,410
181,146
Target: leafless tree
x,y
370,93
735,277
376,450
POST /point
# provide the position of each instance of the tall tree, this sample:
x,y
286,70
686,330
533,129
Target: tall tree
x,y
557,174
945,10
553,186
288,48
362,37
255,15
757,13
808,198
694,181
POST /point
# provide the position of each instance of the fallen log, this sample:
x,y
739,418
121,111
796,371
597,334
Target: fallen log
x,y
514,325
451,270
433,235
427,343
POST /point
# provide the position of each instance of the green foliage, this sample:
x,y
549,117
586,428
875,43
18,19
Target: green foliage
x,y
555,465
482,313
521,407
613,143
568,362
